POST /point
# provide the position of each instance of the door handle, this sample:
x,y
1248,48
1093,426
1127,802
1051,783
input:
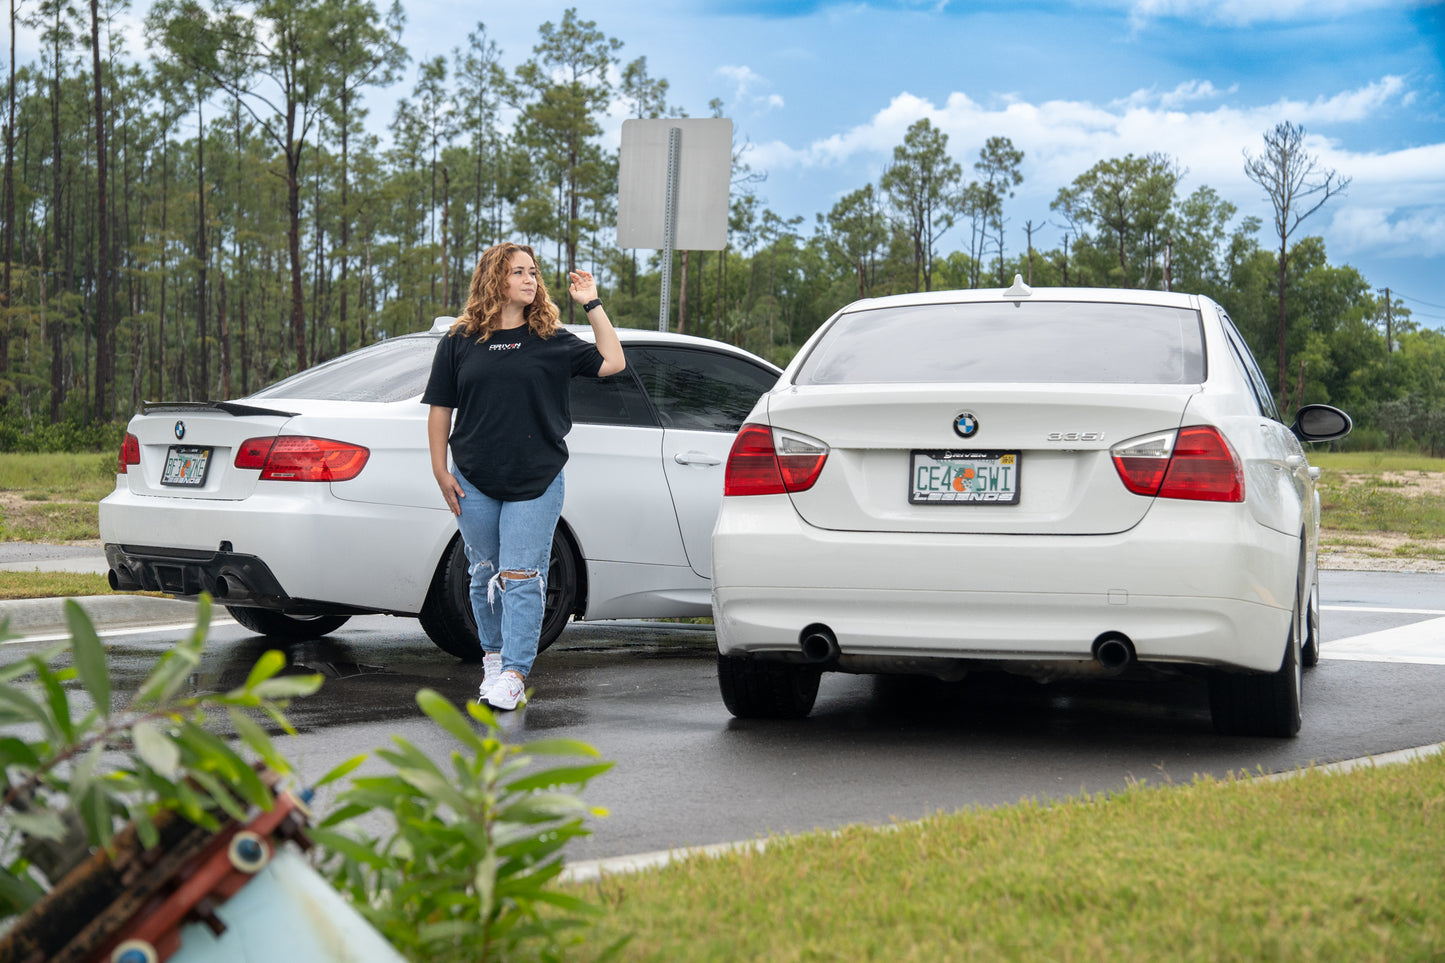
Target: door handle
x,y
696,458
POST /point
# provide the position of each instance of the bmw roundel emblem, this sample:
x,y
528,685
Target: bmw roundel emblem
x,y
181,430
965,424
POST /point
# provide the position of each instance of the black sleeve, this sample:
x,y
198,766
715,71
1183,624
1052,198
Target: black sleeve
x,y
441,384
585,359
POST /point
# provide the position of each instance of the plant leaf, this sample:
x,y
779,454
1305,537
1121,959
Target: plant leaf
x,y
288,686
561,776
89,656
40,823
559,747
156,748
344,769
443,713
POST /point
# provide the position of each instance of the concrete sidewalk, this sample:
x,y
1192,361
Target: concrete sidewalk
x,y
33,619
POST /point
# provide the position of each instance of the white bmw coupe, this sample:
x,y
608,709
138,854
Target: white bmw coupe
x,y
313,500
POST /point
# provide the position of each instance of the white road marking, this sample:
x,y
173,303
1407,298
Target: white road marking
x,y
1419,643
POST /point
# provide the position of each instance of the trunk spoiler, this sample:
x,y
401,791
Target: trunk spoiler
x,y
229,407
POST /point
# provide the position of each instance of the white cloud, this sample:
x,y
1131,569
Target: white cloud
x,y
1240,13
1411,233
1199,125
745,81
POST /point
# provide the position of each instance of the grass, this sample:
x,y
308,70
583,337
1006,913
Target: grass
x,y
53,497
1376,461
47,585
1371,502
1321,867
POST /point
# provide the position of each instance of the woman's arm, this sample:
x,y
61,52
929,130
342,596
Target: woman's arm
x,y
438,430
584,290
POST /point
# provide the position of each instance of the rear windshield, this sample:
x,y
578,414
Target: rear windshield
x,y
1011,342
392,370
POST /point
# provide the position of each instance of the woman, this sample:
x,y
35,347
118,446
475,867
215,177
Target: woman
x,y
504,369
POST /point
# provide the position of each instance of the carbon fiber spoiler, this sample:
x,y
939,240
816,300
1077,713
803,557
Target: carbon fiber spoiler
x,y
229,407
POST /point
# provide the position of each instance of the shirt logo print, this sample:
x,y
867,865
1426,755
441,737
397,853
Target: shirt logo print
x,y
504,347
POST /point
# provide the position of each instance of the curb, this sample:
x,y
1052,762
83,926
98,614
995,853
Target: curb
x,y
31,618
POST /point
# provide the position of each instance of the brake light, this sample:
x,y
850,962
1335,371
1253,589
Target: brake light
x,y
768,461
301,458
129,454
1194,463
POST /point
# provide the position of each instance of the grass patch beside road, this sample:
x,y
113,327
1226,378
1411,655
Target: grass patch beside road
x,y
53,497
50,585
1384,492
1321,867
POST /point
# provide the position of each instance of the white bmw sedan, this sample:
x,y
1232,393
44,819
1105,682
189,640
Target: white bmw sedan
x,y
313,500
1053,482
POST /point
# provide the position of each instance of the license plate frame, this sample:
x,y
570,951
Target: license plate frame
x,y
997,487
187,466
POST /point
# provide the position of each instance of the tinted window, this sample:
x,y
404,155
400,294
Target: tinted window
x,y
1004,341
1257,384
392,370
614,400
697,389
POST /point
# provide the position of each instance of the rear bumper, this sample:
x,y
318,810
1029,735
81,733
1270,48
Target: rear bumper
x,y
229,577
297,546
1192,584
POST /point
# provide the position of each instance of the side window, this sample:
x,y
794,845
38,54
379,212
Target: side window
x,y
614,400
1257,383
698,389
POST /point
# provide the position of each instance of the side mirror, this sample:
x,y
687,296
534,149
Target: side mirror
x,y
1321,423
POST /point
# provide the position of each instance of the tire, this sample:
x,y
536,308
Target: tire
x,y
446,616
289,628
1310,651
1261,704
753,689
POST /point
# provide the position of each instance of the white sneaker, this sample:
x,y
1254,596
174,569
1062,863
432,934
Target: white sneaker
x,y
491,671
509,692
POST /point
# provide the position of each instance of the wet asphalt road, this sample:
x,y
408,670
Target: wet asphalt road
x,y
873,750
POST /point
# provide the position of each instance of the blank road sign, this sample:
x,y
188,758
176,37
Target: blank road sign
x,y
703,176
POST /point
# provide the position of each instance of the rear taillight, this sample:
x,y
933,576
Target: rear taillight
x,y
768,461
129,454
299,458
1195,463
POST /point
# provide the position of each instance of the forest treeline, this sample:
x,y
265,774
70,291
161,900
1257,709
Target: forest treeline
x,y
201,217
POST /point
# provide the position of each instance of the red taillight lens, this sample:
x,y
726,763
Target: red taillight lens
x,y
299,458
129,454
1193,463
762,464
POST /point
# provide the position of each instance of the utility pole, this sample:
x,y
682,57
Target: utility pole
x,y
1389,327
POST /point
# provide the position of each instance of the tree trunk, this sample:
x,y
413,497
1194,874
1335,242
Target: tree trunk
x,y
1281,331
682,297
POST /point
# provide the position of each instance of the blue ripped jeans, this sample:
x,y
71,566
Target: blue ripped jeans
x,y
509,537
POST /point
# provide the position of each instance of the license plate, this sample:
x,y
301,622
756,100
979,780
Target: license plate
x,y
186,466
964,478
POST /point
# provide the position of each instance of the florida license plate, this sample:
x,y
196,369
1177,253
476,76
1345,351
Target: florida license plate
x,y
964,478
186,466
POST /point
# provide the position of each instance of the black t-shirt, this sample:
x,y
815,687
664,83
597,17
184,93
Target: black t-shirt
x,y
512,403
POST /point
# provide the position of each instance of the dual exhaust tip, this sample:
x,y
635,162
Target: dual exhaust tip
x,y
1113,651
226,587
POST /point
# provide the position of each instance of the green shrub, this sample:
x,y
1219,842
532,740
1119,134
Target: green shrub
x,y
463,870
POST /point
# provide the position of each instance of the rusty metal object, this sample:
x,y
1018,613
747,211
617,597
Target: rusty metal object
x,y
130,897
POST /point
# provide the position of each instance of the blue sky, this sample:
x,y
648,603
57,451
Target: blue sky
x,y
824,90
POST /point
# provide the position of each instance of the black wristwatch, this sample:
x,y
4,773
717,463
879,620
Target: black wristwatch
x,y
594,303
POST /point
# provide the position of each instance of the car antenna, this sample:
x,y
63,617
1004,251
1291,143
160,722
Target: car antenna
x,y
1019,289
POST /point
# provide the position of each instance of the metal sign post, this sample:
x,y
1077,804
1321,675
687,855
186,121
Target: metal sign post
x,y
673,184
669,223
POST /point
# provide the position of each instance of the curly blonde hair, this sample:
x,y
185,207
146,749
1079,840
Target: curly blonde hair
x,y
488,294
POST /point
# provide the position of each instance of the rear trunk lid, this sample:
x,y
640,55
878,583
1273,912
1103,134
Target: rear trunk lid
x,y
188,449
1037,459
